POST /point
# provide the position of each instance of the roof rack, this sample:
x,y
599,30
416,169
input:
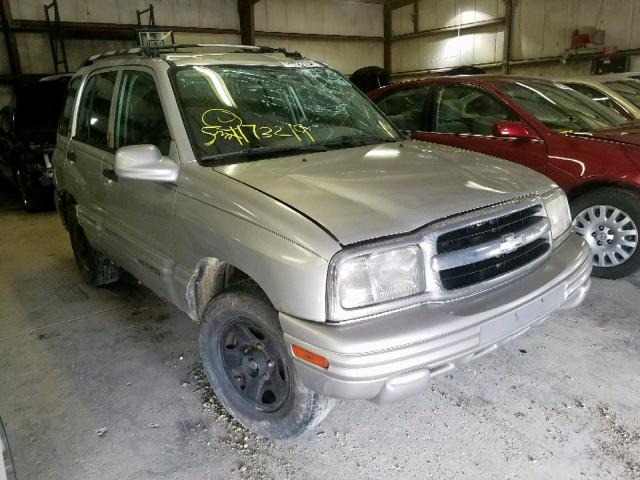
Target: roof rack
x,y
155,51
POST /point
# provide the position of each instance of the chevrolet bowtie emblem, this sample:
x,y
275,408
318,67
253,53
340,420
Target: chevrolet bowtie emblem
x,y
510,242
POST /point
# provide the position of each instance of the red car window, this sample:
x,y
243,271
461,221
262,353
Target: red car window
x,y
466,109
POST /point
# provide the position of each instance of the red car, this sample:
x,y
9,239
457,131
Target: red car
x,y
588,150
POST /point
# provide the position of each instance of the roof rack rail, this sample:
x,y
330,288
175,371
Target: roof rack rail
x,y
155,51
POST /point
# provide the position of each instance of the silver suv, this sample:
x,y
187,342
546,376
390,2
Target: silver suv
x,y
324,255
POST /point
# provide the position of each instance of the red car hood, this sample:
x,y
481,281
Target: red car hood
x,y
626,133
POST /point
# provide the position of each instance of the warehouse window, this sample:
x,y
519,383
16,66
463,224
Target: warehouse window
x,y
140,118
466,109
406,107
93,115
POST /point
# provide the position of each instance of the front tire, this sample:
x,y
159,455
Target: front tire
x,y
250,369
608,219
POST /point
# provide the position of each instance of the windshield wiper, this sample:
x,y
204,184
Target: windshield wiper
x,y
583,134
578,133
256,153
348,141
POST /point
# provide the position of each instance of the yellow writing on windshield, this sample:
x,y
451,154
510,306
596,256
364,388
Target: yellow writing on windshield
x,y
219,123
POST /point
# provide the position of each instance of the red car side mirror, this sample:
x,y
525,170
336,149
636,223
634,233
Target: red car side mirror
x,y
511,129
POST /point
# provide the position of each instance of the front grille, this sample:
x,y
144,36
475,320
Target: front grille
x,y
467,275
483,250
486,231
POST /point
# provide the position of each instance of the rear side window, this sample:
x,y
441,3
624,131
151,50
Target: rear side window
x,y
93,115
67,110
627,89
139,117
599,97
406,108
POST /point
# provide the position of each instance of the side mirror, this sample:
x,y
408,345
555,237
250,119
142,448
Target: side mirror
x,y
145,162
508,128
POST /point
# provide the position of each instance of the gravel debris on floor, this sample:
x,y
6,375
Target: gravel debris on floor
x,y
559,403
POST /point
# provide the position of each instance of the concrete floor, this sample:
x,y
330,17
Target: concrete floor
x,y
562,402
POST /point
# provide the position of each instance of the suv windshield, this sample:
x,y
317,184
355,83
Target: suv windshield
x,y
559,107
627,89
237,113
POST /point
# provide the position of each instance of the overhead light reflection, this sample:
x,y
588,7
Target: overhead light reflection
x,y
383,153
536,92
218,86
477,186
567,159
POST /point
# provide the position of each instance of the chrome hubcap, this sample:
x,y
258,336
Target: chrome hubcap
x,y
610,232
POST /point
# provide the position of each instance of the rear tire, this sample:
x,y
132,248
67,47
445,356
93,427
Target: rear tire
x,y
250,369
95,268
608,219
32,197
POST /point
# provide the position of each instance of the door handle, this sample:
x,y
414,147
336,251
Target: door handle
x,y
110,174
71,156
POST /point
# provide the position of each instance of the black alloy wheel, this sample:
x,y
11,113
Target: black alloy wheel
x,y
255,365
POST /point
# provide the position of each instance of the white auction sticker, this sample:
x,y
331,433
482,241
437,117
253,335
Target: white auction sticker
x,y
301,64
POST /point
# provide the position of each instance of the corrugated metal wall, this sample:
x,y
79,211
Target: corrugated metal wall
x,y
336,17
197,13
324,17
541,28
447,49
35,52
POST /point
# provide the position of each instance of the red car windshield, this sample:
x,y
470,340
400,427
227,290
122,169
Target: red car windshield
x,y
559,107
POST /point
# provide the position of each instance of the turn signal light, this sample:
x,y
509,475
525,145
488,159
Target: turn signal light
x,y
310,357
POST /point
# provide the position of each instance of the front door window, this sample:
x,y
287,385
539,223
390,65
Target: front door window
x,y
465,109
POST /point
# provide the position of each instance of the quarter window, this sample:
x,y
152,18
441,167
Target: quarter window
x,y
93,115
69,102
466,109
406,107
140,118
599,97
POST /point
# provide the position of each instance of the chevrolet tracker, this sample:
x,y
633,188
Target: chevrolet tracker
x,y
324,255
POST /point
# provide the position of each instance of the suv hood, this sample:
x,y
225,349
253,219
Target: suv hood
x,y
375,191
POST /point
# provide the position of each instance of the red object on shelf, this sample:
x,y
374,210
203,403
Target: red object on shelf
x,y
580,40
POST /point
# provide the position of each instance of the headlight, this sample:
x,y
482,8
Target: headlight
x,y
557,207
378,277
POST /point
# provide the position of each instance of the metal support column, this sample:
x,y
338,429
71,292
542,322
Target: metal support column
x,y
506,50
247,22
388,32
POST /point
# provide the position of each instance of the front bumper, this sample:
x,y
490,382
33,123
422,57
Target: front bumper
x,y
393,356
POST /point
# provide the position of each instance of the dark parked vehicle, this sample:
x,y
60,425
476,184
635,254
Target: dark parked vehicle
x,y
28,136
588,150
